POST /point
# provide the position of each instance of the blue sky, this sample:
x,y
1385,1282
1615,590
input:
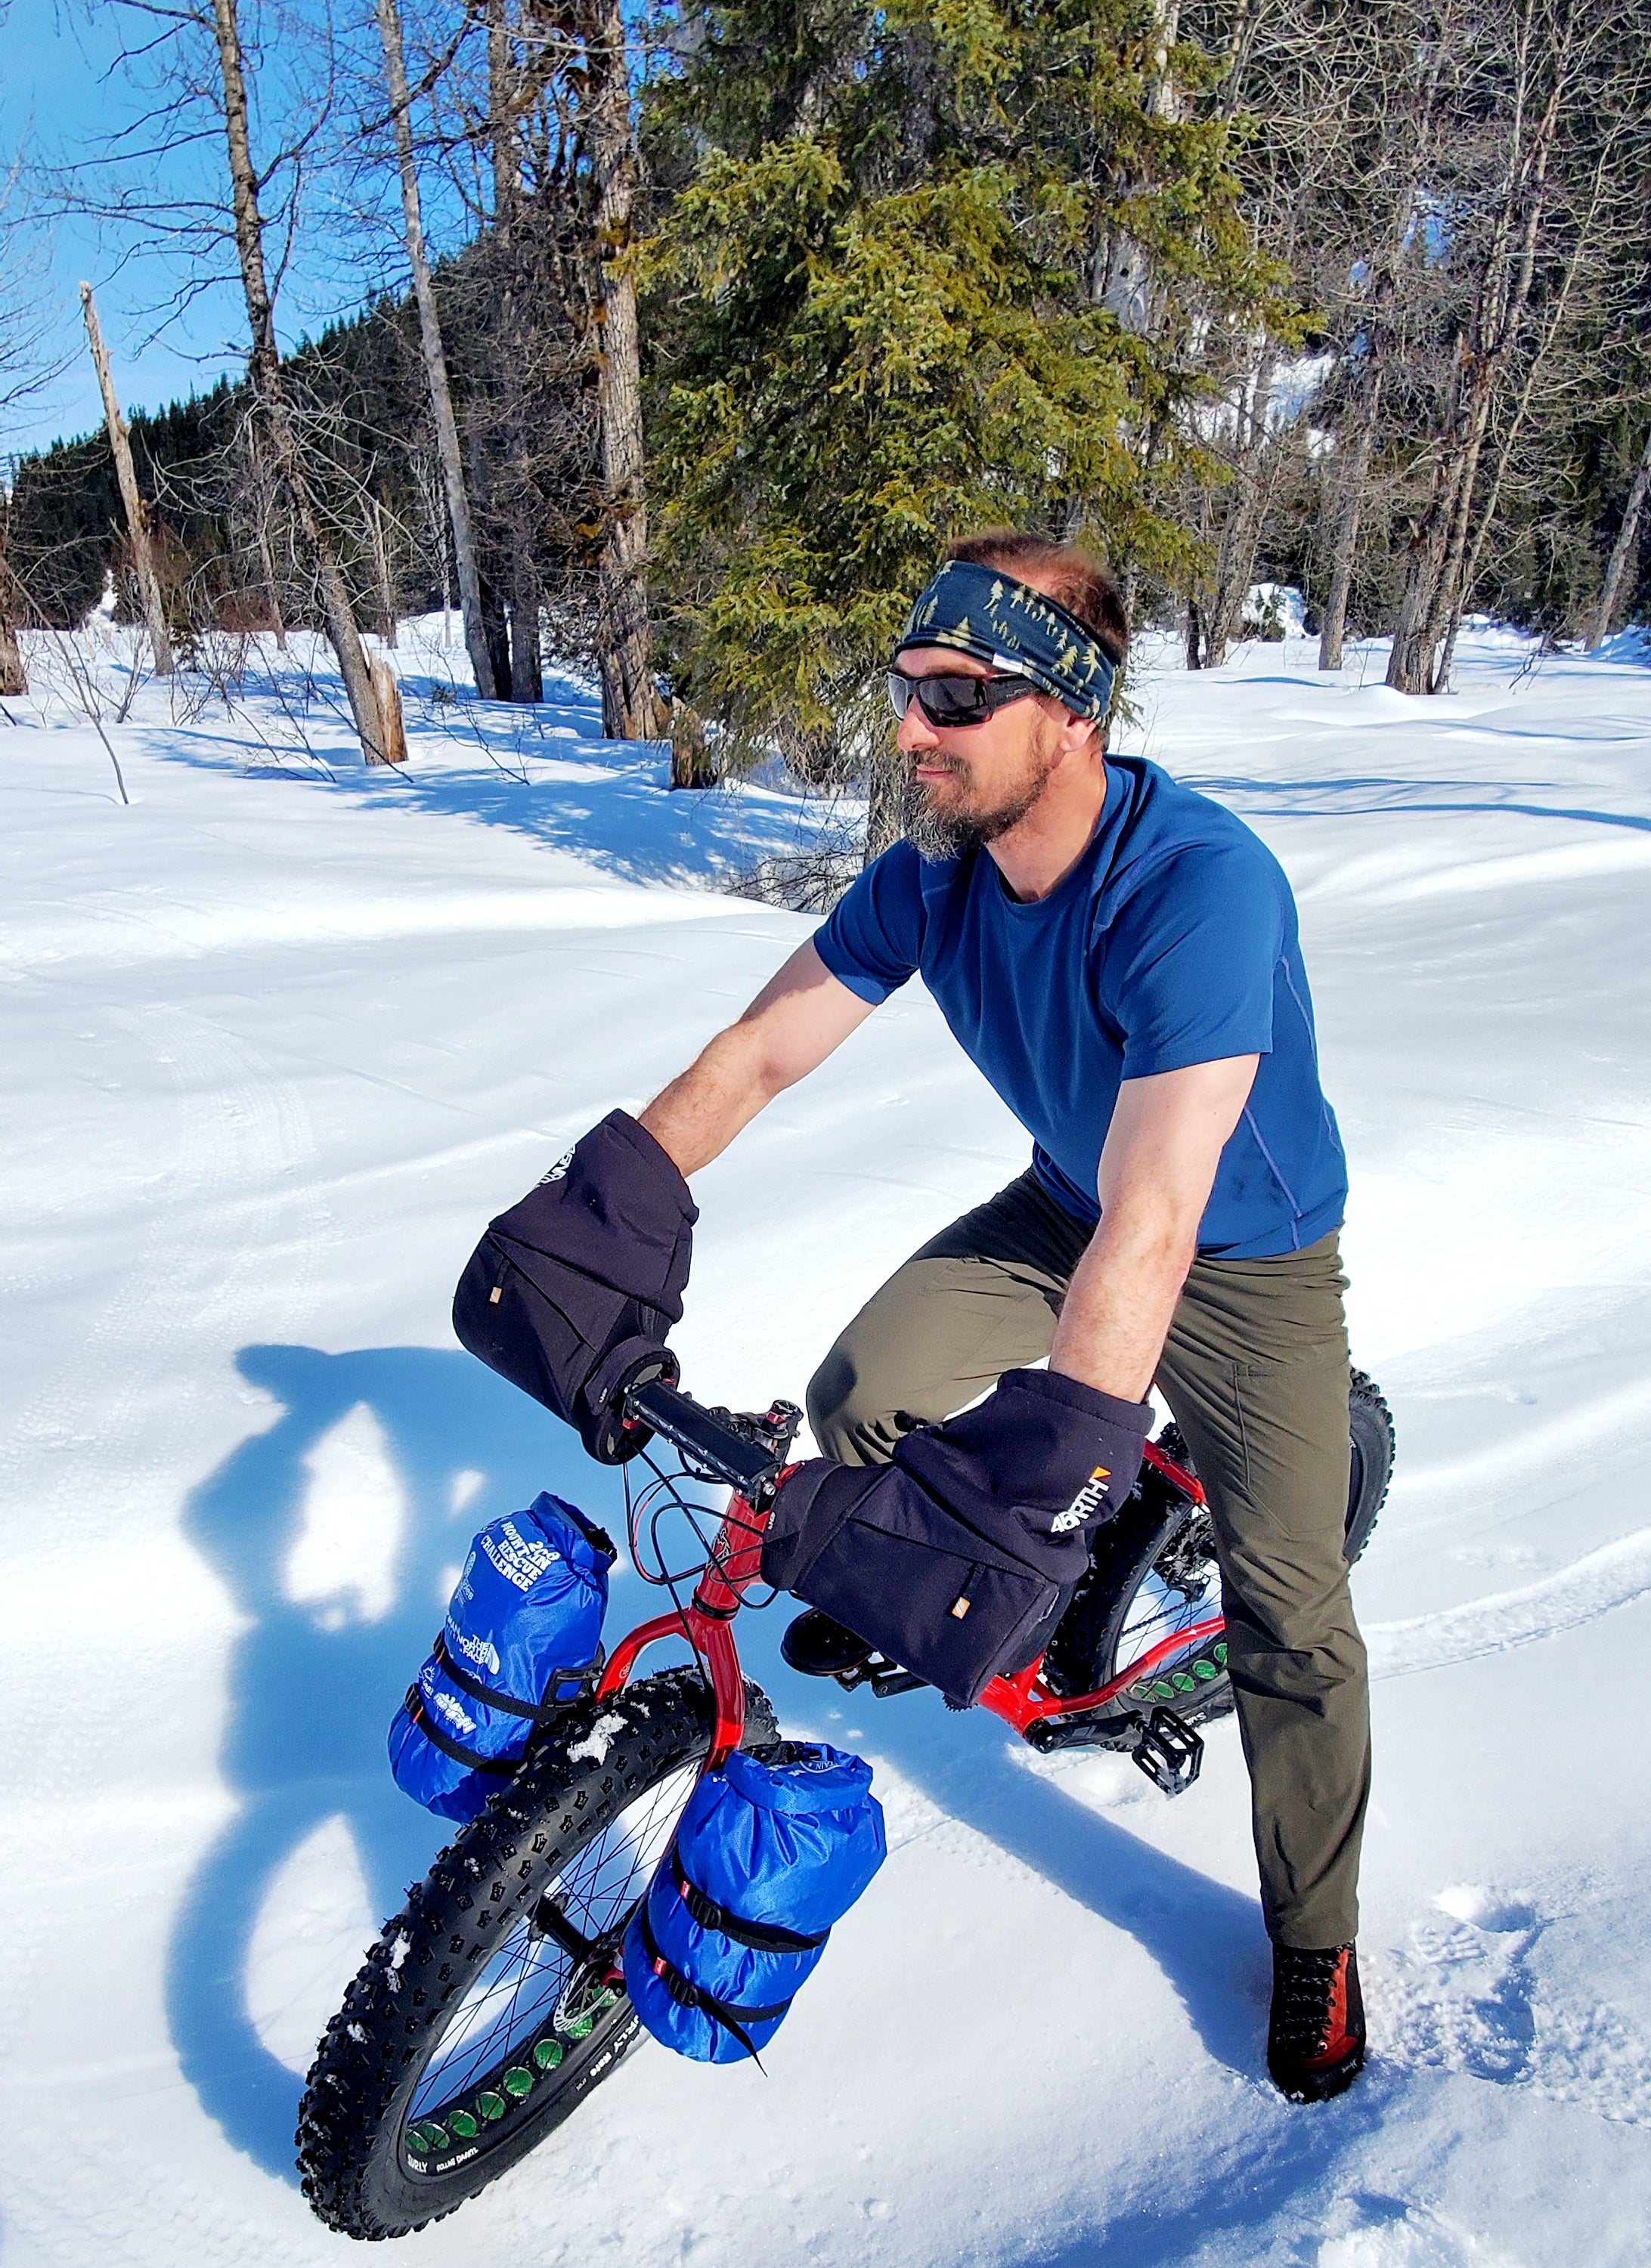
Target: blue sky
x,y
56,94
60,90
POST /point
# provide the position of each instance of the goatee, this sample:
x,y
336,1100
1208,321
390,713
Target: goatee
x,y
938,836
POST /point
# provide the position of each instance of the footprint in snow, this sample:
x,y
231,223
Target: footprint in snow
x,y
1463,1996
1381,2232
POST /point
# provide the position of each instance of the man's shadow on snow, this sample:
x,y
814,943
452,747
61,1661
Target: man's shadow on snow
x,y
313,1683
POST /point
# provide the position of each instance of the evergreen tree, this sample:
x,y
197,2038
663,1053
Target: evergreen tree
x,y
879,304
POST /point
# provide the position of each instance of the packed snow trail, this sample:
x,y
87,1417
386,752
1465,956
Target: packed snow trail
x,y
282,1035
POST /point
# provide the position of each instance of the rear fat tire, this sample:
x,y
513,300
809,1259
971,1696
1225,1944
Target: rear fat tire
x,y
354,2117
1159,1532
1370,1422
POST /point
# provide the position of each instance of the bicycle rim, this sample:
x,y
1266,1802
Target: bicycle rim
x,y
541,1998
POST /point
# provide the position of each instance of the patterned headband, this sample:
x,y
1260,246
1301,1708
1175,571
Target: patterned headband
x,y
982,611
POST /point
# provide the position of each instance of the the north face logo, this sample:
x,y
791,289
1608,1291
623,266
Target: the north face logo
x,y
1085,1504
557,1172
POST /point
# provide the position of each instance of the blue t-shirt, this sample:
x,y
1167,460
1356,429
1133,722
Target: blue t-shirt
x,y
1173,941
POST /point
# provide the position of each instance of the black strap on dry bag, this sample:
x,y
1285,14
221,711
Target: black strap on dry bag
x,y
544,1713
687,1994
760,1936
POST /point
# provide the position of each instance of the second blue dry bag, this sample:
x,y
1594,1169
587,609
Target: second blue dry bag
x,y
521,1639
769,1853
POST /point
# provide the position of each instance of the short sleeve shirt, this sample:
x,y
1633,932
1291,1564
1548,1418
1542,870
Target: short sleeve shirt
x,y
1173,941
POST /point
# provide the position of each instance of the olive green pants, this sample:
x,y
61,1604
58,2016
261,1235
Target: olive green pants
x,y
1254,1372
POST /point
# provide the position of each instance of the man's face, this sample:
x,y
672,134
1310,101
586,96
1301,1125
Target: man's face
x,y
972,783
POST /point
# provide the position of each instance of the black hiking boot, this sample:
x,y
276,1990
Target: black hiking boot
x,y
819,1647
1316,2038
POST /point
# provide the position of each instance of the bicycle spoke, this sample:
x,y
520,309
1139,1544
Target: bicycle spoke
x,y
576,1924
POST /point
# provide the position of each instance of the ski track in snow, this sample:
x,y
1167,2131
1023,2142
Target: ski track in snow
x,y
277,1047
1614,1576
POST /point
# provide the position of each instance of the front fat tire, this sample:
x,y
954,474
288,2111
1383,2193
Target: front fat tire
x,y
355,2113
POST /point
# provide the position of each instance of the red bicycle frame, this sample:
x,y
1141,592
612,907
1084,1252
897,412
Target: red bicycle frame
x,y
707,1624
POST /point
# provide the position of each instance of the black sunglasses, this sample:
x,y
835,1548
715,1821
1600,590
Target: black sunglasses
x,y
949,702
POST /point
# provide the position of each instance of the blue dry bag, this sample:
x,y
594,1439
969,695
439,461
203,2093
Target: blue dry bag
x,y
769,1853
521,1641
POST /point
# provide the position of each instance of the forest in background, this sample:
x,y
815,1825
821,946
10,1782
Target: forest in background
x,y
747,309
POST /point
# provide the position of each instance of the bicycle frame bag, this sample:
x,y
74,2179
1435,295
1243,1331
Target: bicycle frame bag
x,y
770,1851
520,1643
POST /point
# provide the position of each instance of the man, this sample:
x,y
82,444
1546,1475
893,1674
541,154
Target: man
x,y
1119,956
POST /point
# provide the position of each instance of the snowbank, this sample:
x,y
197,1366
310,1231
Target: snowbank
x,y
281,1034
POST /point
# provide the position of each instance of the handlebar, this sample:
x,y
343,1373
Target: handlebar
x,y
743,1452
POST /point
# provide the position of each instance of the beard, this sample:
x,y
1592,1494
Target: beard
x,y
939,833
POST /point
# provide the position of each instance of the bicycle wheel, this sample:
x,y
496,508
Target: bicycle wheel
x,y
1154,1573
492,2005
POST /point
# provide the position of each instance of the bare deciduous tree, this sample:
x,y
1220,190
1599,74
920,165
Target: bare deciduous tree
x,y
434,354
132,502
379,732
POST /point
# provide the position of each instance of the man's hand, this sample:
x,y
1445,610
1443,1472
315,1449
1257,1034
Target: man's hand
x,y
1165,1142
793,1024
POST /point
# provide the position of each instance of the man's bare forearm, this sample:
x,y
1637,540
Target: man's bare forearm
x,y
1121,1300
793,1024
702,1110
1157,1168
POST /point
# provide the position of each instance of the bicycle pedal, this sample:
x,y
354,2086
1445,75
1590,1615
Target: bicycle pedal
x,y
1169,1752
885,1677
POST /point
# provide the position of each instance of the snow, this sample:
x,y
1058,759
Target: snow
x,y
282,1035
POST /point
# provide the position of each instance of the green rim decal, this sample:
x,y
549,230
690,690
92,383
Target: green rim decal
x,y
548,2054
517,2082
580,2027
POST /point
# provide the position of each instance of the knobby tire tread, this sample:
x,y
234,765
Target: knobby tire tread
x,y
495,1870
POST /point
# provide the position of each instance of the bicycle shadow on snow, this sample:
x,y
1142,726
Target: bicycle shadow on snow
x,y
313,1682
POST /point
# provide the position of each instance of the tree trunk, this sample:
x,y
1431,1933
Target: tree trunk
x,y
1120,275
1355,474
267,557
137,526
526,665
381,560
13,676
1624,551
692,762
1195,632
377,731
630,708
435,357
1241,533
388,694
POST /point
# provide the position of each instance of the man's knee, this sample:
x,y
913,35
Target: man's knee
x,y
1293,1643
846,1415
